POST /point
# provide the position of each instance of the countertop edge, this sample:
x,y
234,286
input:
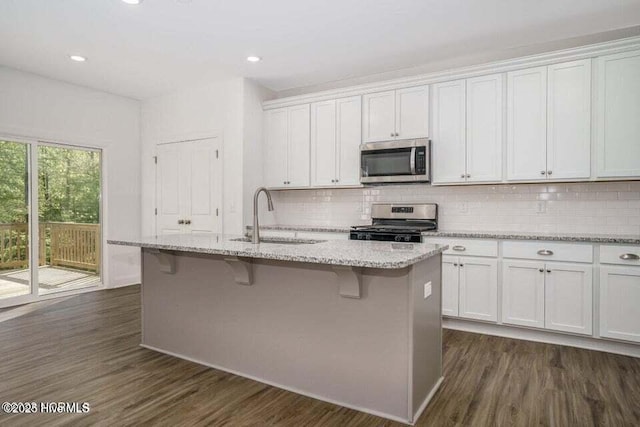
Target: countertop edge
x,y
297,258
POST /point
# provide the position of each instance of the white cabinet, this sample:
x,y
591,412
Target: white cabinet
x,y
569,120
335,140
470,287
523,293
526,124
568,298
617,112
555,296
396,114
450,285
478,288
467,130
287,140
449,134
548,122
619,303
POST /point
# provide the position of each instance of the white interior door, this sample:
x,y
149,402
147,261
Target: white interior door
x,y
189,187
412,112
569,120
568,298
527,124
170,179
448,140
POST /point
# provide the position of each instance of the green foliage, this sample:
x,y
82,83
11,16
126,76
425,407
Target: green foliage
x,y
68,184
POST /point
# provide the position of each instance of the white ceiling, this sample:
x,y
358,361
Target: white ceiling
x,y
160,45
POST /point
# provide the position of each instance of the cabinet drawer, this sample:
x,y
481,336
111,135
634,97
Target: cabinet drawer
x,y
548,251
623,255
470,247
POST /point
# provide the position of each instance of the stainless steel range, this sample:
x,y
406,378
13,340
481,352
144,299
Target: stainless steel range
x,y
397,222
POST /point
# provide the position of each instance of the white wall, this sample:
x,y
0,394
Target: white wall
x,y
216,108
590,207
37,108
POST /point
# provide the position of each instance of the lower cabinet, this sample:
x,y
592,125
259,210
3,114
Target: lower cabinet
x,y
620,303
552,295
470,287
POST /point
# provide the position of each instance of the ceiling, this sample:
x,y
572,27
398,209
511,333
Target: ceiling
x,y
160,45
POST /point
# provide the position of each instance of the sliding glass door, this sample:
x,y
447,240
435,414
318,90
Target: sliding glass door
x,y
64,254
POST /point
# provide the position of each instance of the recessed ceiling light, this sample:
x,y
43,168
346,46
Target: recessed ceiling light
x,y
77,58
253,58
132,1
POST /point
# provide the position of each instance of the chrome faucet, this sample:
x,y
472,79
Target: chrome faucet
x,y
255,238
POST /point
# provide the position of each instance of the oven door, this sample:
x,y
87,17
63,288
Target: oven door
x,y
394,161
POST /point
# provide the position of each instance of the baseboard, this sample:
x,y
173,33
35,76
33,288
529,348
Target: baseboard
x,y
588,343
427,399
125,284
291,389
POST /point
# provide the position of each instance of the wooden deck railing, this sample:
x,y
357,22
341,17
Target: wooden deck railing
x,y
61,244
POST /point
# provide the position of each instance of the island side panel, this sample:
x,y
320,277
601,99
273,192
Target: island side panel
x,y
290,327
426,331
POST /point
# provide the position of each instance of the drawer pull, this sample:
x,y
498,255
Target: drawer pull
x,y
545,252
459,248
629,257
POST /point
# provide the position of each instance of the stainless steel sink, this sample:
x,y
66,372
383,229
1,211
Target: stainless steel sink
x,y
280,240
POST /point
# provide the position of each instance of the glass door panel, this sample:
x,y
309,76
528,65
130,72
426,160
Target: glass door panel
x,y
15,272
69,218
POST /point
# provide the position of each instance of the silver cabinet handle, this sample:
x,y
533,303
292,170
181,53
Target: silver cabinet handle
x,y
461,265
181,221
549,172
397,134
542,172
468,175
461,175
541,270
393,134
545,252
455,265
459,248
188,221
337,180
548,271
629,257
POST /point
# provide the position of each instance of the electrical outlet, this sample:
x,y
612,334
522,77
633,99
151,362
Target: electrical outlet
x,y
427,290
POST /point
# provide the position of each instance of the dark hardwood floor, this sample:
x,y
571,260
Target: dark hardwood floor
x,y
85,349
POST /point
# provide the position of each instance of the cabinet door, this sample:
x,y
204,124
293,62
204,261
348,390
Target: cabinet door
x,y
349,135
568,298
479,288
569,120
448,140
619,307
276,140
484,128
412,112
527,124
170,188
618,109
323,143
379,116
299,146
523,293
449,286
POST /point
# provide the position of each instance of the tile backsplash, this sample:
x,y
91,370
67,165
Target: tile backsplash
x,y
597,207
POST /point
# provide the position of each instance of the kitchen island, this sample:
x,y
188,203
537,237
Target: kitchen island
x,y
349,322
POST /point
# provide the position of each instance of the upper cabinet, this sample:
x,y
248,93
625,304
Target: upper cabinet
x,y
396,114
618,110
287,140
335,139
548,122
467,130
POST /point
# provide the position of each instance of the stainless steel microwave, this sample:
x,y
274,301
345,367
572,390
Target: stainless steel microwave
x,y
395,161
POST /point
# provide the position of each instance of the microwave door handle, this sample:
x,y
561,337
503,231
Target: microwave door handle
x,y
412,161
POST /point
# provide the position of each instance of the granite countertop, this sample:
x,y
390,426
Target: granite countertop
x,y
332,252
628,239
